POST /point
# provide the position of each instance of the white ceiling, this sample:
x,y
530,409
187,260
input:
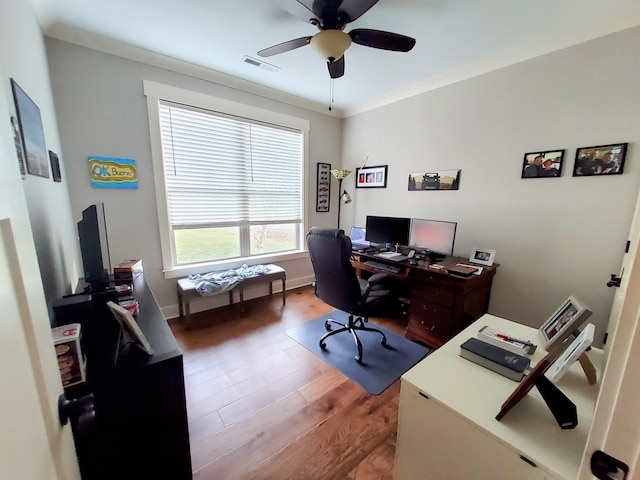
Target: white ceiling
x,y
455,38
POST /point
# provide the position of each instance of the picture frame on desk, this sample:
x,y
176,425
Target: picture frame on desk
x,y
125,318
572,353
563,322
483,256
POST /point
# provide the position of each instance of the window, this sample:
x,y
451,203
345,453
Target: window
x,y
232,183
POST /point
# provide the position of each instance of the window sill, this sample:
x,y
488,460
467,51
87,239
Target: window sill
x,y
186,270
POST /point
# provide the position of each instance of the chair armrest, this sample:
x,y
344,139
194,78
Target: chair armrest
x,y
377,278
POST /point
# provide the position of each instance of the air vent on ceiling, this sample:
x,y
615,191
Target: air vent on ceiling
x,y
260,64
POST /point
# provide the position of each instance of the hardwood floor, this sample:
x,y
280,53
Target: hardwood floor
x,y
262,407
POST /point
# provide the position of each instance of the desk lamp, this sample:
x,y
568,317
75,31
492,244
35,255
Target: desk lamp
x,y
344,196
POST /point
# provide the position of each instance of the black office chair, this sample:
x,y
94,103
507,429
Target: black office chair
x,y
338,285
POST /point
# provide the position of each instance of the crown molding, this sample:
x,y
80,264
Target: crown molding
x,y
113,47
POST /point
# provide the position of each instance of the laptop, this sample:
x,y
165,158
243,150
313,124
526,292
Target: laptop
x,y
358,235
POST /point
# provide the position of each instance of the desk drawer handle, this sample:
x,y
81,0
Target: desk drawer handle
x,y
425,325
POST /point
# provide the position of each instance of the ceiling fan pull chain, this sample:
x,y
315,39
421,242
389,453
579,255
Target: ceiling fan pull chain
x,y
330,93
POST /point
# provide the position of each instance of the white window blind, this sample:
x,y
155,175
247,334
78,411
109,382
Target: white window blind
x,y
222,170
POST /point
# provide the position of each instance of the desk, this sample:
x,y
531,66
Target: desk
x,y
447,427
141,427
441,304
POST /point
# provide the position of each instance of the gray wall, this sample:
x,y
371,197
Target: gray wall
x,y
553,236
102,111
23,58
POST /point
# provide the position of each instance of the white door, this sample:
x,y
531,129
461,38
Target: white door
x,y
33,446
615,428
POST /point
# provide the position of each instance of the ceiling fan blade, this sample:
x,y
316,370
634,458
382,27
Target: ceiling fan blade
x,y
337,13
285,46
351,10
336,69
298,9
382,40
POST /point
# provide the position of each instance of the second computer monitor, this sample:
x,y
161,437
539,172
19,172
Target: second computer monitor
x,y
433,235
388,230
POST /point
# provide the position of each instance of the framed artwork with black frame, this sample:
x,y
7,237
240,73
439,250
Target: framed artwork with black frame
x,y
600,160
323,189
542,164
371,177
55,166
31,132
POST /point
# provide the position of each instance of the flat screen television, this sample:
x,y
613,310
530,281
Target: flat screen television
x,y
388,230
433,235
94,247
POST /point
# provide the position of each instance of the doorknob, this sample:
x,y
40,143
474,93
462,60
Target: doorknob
x,y
615,281
79,410
605,467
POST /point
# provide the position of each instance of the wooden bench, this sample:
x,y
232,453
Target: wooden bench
x,y
187,289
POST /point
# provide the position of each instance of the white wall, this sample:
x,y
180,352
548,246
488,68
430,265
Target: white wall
x,y
553,236
102,111
38,210
23,58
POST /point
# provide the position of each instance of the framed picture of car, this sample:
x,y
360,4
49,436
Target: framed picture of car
x,y
323,195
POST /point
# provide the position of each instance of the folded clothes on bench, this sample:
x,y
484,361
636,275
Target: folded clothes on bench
x,y
217,282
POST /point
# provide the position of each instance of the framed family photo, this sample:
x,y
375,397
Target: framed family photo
x,y
600,160
542,164
371,177
563,322
483,256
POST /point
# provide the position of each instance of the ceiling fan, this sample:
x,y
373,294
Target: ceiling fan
x,y
331,17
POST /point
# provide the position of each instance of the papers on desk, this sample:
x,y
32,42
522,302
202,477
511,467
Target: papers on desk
x,y
395,256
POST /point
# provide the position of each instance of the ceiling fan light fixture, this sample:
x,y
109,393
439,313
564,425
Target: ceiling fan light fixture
x,y
331,44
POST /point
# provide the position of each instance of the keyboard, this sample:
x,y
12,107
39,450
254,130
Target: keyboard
x,y
383,266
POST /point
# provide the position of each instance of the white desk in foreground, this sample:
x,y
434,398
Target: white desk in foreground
x,y
447,428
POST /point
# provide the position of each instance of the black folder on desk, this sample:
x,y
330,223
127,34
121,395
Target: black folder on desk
x,y
504,362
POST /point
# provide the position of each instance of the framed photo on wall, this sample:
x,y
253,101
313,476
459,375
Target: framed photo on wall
x,y
371,177
323,188
600,160
31,132
542,164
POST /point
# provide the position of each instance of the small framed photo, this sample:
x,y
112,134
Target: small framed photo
x,y
125,318
371,177
55,166
542,164
483,256
600,160
571,354
563,322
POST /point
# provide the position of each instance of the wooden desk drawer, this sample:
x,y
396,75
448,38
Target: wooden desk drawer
x,y
433,294
433,279
430,322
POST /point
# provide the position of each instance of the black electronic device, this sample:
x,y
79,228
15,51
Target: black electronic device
x,y
434,236
393,230
94,247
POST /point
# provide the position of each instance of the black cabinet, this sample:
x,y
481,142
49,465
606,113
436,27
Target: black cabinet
x,y
141,429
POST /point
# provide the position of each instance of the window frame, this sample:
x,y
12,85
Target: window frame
x,y
154,93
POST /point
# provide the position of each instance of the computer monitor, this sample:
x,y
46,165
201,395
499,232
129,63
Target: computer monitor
x,y
388,230
433,235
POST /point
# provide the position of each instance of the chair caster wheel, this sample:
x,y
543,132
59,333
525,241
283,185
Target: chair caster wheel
x,y
323,346
327,326
358,358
